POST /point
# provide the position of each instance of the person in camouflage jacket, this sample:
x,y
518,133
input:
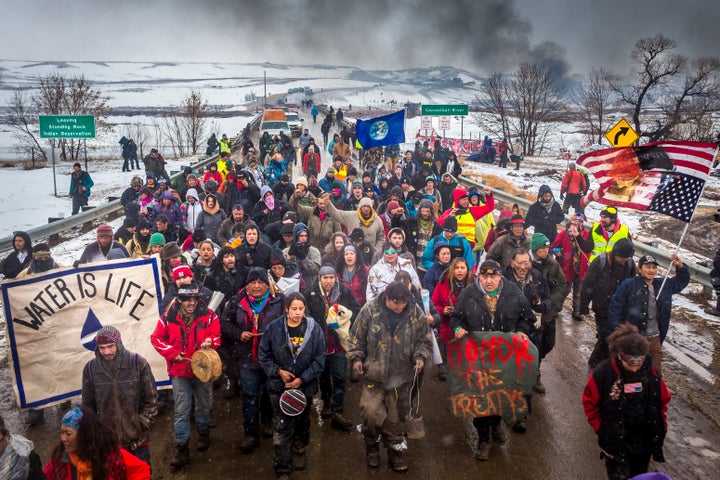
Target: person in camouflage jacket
x,y
389,342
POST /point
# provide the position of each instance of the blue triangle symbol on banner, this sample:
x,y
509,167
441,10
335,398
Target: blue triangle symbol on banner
x,y
90,328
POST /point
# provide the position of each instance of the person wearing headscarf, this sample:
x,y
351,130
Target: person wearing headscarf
x,y
88,450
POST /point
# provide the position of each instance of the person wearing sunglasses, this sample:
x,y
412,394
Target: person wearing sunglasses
x,y
390,344
490,303
625,401
606,232
383,272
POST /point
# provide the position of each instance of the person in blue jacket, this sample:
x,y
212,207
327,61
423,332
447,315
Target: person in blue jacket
x,y
645,302
459,246
292,354
80,185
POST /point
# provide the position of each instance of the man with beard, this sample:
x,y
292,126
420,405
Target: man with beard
x,y
139,245
364,218
605,233
504,248
237,217
119,387
185,328
325,294
99,250
319,222
243,323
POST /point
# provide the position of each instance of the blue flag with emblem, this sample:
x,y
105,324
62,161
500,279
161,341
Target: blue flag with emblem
x,y
379,131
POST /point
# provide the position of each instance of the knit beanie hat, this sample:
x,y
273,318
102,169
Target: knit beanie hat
x,y
107,335
156,239
623,248
450,224
181,271
538,240
257,273
170,250
105,229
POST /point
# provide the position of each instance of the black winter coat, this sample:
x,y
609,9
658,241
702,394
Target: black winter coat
x,y
512,312
249,256
600,282
238,318
544,222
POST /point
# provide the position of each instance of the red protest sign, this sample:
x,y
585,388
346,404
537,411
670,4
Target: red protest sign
x,y
489,373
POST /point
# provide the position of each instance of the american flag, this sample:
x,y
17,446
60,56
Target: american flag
x,y
665,177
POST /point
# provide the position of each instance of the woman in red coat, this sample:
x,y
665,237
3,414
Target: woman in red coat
x,y
444,297
353,273
311,162
89,451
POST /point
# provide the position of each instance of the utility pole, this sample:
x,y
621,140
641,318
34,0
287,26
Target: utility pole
x,y
265,83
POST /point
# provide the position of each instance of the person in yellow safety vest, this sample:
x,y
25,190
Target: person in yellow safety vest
x,y
340,169
467,214
607,232
224,145
222,164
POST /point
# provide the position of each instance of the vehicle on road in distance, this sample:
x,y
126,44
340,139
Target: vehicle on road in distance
x,y
295,123
274,121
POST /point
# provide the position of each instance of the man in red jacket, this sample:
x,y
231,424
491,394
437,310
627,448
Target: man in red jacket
x,y
187,326
573,187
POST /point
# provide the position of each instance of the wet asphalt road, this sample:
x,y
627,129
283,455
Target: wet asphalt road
x,y
559,444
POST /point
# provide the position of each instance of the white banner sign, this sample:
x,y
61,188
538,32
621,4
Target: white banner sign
x,y
52,319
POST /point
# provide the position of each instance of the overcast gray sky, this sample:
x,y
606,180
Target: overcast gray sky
x,y
572,36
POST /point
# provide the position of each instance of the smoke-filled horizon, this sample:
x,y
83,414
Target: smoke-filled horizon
x,y
483,36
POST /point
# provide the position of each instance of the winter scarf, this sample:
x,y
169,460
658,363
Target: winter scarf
x,y
366,222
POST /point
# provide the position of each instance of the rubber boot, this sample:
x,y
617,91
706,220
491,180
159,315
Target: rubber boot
x,y
181,458
372,454
396,460
539,387
203,441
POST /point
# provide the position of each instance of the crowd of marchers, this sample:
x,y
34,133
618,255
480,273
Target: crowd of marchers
x,y
366,246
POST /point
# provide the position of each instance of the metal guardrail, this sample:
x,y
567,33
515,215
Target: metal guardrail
x,y
698,273
38,234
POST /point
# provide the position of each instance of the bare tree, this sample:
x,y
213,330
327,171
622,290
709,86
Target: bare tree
x,y
655,66
23,121
524,104
497,118
593,100
195,109
59,95
174,133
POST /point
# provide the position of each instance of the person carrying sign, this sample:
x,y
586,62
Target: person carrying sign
x,y
491,303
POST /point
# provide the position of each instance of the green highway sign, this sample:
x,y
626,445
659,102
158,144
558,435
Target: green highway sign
x,y
437,110
67,126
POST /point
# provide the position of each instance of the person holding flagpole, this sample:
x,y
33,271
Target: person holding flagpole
x,y
641,301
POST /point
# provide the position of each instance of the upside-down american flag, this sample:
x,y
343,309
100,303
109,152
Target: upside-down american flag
x,y
665,177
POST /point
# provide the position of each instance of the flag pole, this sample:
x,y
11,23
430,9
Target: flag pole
x,y
682,237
